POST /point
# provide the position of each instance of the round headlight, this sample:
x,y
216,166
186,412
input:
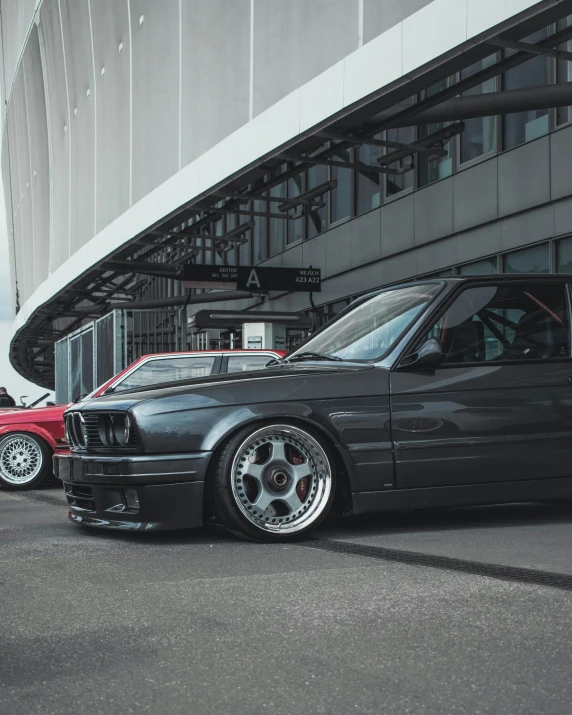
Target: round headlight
x,y
105,426
122,429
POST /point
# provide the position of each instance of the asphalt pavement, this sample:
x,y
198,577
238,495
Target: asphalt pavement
x,y
196,622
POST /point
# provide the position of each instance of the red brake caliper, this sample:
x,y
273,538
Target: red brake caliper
x,y
302,486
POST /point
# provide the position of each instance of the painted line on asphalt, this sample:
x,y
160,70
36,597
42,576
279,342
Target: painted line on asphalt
x,y
449,563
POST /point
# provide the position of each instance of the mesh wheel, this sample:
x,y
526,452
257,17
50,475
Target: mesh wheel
x,y
24,461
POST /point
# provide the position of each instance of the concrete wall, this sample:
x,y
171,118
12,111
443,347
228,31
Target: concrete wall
x,y
109,98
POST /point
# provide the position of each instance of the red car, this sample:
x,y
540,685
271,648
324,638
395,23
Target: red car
x,y
29,438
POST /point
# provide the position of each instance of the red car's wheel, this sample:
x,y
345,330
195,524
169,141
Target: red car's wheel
x,y
25,461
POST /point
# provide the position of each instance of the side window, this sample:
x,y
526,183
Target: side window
x,y
506,322
158,370
241,363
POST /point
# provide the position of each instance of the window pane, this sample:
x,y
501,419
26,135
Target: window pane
x,y
219,229
435,169
479,268
316,176
242,363
480,135
277,225
75,368
525,126
564,256
230,250
530,260
295,228
87,362
371,329
369,182
341,196
243,250
259,234
159,370
395,183
528,322
564,72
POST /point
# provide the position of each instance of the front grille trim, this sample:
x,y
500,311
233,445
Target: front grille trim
x,y
92,426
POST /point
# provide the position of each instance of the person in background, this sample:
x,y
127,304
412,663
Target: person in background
x,y
5,399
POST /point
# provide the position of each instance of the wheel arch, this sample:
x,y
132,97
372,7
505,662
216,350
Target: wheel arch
x,y
32,429
343,499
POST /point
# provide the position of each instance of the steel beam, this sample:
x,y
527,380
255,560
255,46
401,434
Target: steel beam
x,y
531,49
493,103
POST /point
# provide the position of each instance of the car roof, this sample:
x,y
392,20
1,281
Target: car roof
x,y
241,351
505,278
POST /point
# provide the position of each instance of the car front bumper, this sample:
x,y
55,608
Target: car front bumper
x,y
136,492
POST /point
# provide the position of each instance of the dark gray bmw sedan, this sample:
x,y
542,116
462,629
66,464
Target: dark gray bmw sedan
x,y
428,394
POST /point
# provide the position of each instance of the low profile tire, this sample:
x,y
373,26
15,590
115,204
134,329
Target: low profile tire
x,y
25,461
272,483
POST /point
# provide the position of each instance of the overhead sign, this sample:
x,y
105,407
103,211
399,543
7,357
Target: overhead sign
x,y
253,278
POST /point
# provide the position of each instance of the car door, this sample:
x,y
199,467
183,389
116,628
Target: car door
x,y
499,407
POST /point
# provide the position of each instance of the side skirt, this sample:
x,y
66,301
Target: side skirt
x,y
464,495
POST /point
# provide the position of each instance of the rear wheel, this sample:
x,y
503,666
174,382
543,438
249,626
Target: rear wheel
x,y
273,483
25,461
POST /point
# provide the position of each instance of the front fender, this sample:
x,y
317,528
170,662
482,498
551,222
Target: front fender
x,y
30,428
203,430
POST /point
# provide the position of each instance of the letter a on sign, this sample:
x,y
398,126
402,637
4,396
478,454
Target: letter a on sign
x,y
252,279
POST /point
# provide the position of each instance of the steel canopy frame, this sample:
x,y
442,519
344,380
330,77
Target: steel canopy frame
x,y
162,250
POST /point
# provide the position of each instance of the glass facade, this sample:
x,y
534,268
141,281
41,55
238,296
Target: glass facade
x,y
564,256
480,135
564,73
368,183
295,227
438,168
479,268
535,259
403,177
360,189
340,197
528,260
525,126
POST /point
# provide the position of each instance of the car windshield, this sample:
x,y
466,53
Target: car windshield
x,y
371,329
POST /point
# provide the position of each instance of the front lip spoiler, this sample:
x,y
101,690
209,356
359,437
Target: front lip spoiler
x,y
110,524
162,506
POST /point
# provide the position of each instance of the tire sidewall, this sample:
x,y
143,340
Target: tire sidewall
x,y
45,470
223,501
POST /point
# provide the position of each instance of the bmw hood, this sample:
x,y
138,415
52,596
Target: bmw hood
x,y
231,388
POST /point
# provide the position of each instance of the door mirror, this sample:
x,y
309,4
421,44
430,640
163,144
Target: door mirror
x,y
429,356
79,398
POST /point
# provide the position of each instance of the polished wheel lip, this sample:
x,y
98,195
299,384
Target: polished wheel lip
x,y
21,459
319,471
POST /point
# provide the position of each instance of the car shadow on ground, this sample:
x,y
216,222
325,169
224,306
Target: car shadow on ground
x,y
480,517
412,521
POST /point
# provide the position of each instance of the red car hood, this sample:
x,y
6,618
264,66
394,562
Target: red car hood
x,y
11,415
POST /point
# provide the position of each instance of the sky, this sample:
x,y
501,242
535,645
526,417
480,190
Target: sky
x,y
9,378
